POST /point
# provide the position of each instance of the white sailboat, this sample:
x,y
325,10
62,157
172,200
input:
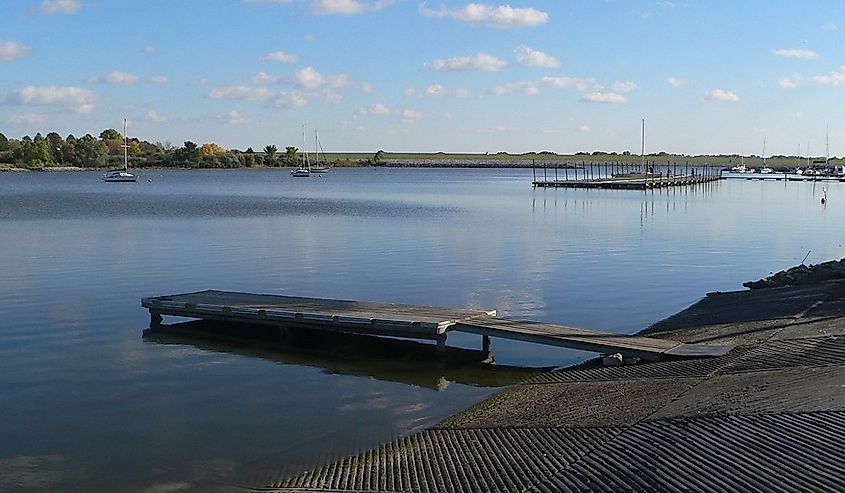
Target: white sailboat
x,y
765,169
740,168
318,168
304,168
121,175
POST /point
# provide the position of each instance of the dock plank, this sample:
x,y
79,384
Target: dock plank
x,y
588,340
272,309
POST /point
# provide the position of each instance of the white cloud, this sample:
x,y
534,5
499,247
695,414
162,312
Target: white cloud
x,y
148,50
311,79
434,90
52,7
263,78
375,109
347,7
28,119
583,129
721,96
532,88
603,97
498,16
241,92
410,116
159,79
480,61
796,53
367,88
72,98
280,56
290,100
235,118
10,50
835,78
626,86
789,82
115,77
581,83
122,78
533,58
674,81
153,117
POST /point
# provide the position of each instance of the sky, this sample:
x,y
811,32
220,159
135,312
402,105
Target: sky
x,y
708,77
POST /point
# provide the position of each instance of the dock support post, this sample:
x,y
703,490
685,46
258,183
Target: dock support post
x,y
155,319
487,349
441,342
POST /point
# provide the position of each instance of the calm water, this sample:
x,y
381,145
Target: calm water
x,y
88,403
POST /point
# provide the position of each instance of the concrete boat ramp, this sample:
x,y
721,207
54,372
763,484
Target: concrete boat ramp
x,y
409,321
767,416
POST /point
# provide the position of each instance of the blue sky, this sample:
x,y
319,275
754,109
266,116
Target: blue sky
x,y
405,75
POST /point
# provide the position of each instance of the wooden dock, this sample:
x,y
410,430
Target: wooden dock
x,y
643,182
406,321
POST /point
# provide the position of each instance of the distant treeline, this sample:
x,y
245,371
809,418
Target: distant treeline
x,y
106,150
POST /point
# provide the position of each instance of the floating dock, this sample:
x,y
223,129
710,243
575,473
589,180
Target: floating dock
x,y
407,321
641,182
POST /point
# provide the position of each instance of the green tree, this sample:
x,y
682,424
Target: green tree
x,y
291,154
89,152
110,134
34,152
4,143
270,155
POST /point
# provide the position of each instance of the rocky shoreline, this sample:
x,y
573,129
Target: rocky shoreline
x,y
801,275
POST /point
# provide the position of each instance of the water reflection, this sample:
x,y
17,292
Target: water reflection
x,y
390,360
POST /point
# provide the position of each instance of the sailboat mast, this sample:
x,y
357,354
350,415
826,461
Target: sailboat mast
x,y
125,149
642,146
764,152
827,144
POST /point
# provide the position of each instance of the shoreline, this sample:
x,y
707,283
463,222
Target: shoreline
x,y
771,404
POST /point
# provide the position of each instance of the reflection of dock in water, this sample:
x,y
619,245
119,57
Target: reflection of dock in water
x,y
393,360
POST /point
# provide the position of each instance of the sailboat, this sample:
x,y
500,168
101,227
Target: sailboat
x,y
765,169
304,168
741,168
121,175
317,168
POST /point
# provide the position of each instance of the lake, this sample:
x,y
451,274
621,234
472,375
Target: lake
x,y
87,402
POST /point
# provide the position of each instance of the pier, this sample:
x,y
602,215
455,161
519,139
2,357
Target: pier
x,y
783,177
621,176
408,321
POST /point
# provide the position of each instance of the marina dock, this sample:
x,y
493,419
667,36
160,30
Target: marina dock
x,y
643,182
620,176
408,321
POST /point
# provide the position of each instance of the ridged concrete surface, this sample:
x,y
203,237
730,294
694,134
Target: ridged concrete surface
x,y
502,459
761,453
